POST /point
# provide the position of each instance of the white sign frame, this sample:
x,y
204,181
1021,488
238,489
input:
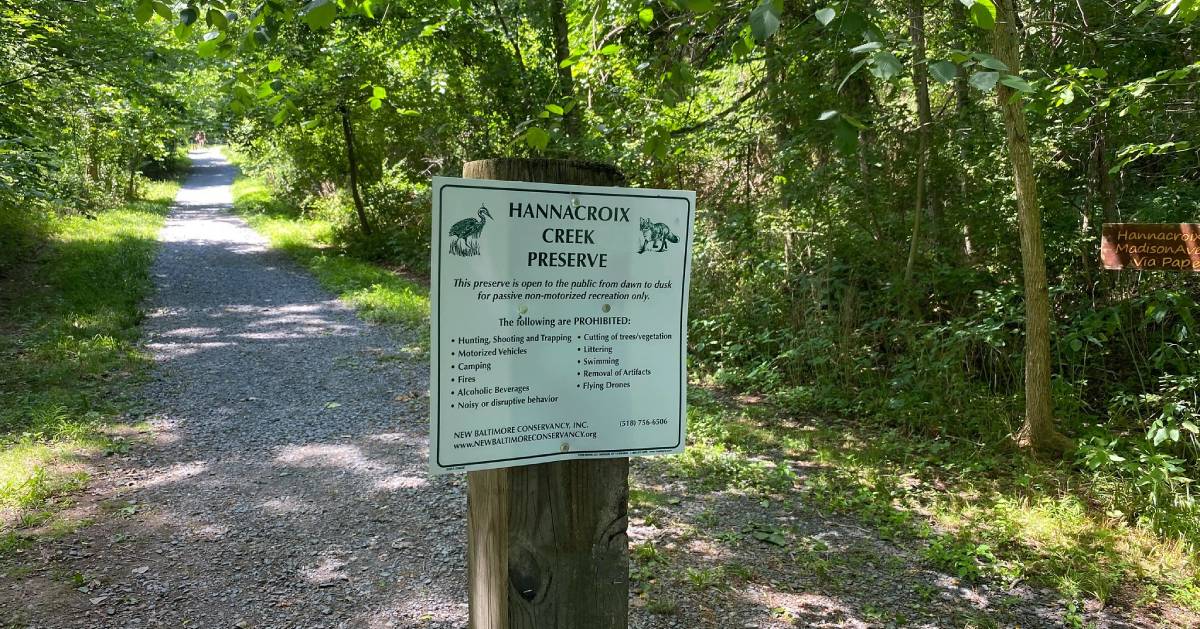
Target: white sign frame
x,y
445,420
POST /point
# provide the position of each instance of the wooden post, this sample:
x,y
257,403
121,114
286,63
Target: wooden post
x,y
547,544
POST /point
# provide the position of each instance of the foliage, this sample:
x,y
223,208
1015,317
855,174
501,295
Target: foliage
x,y
89,99
800,129
69,347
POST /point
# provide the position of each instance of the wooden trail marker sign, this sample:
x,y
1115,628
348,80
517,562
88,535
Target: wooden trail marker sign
x,y
1151,246
558,348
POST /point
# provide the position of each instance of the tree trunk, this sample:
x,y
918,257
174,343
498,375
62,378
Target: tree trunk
x,y
1038,431
93,154
962,106
562,50
130,186
352,162
916,30
547,544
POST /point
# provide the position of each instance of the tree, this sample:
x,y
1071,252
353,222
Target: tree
x,y
1038,431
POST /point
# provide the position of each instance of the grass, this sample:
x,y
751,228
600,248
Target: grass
x,y
975,513
378,294
69,322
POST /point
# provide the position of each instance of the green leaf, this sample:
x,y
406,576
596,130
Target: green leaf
x,y
1141,7
375,103
867,47
430,29
765,20
274,65
265,89
182,32
699,6
163,10
609,50
1066,96
216,19
984,81
569,61
208,47
1191,427
845,137
1016,83
885,65
1186,10
743,47
854,122
319,14
991,62
645,16
378,92
188,16
554,109
144,11
537,138
861,62
943,71
825,16
983,14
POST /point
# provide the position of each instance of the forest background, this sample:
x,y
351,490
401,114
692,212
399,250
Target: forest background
x,y
859,253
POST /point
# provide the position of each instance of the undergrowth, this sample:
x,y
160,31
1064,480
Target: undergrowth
x,y
70,318
973,512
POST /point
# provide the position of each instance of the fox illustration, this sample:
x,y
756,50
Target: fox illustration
x,y
657,235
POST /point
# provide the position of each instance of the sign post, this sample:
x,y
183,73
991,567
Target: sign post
x,y
558,349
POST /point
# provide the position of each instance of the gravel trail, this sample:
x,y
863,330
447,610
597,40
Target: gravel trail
x,y
285,484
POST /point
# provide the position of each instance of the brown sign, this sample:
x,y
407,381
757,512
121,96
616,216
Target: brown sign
x,y
1151,246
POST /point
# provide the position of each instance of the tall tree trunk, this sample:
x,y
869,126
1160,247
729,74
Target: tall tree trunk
x,y
916,30
562,49
1038,431
962,106
352,162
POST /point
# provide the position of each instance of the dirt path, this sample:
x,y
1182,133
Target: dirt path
x,y
285,485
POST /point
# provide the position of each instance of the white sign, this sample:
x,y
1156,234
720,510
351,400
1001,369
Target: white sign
x,y
559,322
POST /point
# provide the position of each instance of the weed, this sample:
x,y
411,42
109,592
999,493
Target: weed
x,y
662,607
961,556
647,553
705,578
768,534
739,571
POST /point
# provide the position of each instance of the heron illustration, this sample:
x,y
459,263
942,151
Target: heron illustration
x,y
466,234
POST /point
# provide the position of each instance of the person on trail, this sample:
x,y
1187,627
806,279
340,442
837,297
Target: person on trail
x,y
200,139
